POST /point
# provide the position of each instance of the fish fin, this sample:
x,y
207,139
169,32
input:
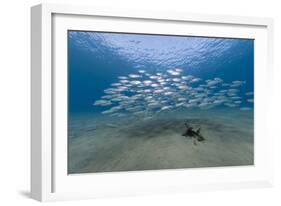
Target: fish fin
x,y
200,138
194,142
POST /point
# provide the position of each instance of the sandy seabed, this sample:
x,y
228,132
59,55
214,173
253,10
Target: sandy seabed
x,y
103,144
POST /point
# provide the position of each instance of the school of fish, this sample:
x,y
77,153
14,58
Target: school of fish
x,y
144,95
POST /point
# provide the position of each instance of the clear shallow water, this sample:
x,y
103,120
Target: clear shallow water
x,y
130,95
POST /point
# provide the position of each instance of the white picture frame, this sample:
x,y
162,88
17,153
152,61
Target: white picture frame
x,y
49,179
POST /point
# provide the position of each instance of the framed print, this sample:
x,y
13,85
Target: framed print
x,y
137,102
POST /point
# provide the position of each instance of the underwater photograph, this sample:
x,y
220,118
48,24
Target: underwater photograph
x,y
151,101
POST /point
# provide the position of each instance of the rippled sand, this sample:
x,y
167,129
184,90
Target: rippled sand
x,y
99,144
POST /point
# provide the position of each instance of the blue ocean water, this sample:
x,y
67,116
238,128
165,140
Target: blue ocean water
x,y
97,59
146,102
